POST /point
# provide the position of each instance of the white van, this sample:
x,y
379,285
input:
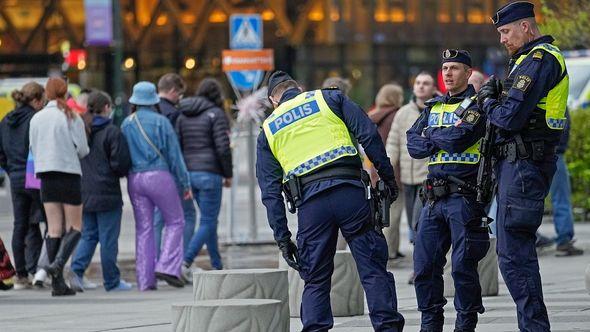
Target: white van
x,y
578,68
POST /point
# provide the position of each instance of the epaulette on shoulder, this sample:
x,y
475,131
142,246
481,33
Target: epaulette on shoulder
x,y
331,88
538,55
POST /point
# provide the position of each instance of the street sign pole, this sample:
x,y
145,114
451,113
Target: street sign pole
x,y
246,34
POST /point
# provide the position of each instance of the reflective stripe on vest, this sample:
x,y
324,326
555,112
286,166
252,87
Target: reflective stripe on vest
x,y
555,102
304,134
443,115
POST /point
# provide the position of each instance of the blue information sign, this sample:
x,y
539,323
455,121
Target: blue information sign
x,y
245,33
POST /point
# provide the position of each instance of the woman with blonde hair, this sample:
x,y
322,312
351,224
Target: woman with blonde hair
x,y
58,141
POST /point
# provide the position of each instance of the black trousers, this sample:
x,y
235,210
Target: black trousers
x,y
26,236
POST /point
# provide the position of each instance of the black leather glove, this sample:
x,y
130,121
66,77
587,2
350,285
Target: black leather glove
x,y
491,89
289,250
393,190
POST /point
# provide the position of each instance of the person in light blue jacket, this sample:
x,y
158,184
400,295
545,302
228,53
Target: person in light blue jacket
x,y
157,174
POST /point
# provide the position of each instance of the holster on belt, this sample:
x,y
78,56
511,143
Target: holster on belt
x,y
519,149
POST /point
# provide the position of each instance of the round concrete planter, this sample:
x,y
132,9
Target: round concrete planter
x,y
229,315
245,284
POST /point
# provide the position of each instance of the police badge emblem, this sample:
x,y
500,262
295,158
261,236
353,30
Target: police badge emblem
x,y
522,82
471,117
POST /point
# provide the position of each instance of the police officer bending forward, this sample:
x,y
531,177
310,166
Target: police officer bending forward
x,y
448,132
530,116
306,143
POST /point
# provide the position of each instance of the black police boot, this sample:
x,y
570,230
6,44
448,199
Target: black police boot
x,y
55,269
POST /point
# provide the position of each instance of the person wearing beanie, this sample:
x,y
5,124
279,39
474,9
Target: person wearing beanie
x,y
448,133
530,116
58,141
306,147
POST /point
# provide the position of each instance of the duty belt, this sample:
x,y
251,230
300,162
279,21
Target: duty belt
x,y
293,188
518,149
435,189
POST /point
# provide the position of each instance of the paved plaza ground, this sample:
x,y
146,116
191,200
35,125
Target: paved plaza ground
x,y
35,310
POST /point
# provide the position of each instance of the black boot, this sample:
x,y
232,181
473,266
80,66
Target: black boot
x,y
68,244
58,284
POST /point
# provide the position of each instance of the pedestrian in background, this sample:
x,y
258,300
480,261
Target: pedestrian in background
x,y
477,80
26,203
203,130
157,172
387,103
340,83
6,269
171,87
107,161
412,172
560,192
58,141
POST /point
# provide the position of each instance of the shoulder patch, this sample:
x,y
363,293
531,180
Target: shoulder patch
x,y
470,116
538,55
522,82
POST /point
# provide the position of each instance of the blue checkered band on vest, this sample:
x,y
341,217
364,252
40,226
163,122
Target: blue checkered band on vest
x,y
323,159
556,123
450,157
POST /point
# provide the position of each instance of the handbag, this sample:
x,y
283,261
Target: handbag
x,y
31,181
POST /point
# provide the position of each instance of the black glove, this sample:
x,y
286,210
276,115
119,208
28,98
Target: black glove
x,y
393,190
289,250
491,89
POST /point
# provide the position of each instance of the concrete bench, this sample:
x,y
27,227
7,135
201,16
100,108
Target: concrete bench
x,y
229,315
487,269
245,284
346,297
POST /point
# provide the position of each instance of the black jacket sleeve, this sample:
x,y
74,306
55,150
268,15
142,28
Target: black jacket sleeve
x,y
118,150
220,131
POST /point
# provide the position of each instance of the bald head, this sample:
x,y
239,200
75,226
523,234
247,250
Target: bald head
x,y
476,80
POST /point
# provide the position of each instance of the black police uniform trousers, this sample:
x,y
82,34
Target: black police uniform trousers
x,y
343,207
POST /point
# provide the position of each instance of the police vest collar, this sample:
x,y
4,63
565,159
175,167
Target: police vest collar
x,y
526,48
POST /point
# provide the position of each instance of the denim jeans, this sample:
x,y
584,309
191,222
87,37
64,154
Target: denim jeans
x,y
104,228
207,189
190,220
560,200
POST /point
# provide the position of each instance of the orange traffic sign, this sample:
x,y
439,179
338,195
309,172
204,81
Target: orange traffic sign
x,y
236,60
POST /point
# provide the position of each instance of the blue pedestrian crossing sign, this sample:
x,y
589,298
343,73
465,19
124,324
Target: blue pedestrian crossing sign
x,y
245,33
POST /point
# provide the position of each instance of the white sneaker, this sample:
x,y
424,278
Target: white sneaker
x,y
39,278
187,273
21,283
88,285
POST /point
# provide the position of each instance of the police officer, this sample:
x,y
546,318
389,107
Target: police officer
x,y
448,133
530,115
306,144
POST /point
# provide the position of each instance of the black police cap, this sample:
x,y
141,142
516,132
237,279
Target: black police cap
x,y
277,78
513,11
460,56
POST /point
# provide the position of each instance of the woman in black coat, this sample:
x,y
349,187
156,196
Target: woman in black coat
x,y
203,131
26,203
